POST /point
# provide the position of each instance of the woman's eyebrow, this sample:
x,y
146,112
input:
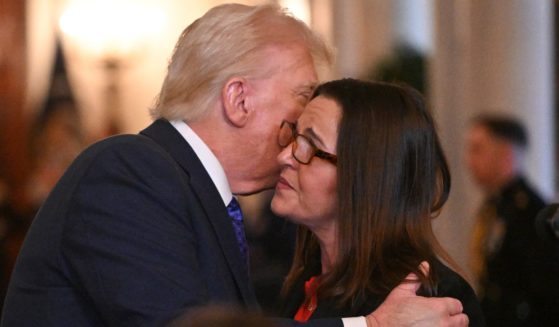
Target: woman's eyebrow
x,y
309,132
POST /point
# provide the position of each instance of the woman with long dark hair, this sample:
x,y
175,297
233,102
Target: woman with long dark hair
x,y
364,174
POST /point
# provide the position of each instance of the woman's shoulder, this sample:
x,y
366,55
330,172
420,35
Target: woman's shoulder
x,y
449,280
452,284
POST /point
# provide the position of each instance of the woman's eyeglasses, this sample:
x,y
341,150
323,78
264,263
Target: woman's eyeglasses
x,y
303,149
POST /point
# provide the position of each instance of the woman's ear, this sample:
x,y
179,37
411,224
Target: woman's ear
x,y
233,96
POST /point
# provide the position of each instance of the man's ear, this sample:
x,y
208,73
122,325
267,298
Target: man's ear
x,y
233,97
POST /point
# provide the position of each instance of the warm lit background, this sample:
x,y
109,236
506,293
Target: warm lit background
x,y
466,56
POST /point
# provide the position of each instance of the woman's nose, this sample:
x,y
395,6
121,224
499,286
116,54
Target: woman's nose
x,y
285,157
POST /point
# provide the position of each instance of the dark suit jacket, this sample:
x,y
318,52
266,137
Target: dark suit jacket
x,y
134,233
450,285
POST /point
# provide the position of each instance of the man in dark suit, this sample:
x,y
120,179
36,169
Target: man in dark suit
x,y
141,227
516,272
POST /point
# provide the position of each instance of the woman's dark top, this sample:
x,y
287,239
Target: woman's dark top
x,y
450,285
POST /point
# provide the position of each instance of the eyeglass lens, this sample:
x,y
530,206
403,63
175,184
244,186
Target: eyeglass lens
x,y
302,149
286,134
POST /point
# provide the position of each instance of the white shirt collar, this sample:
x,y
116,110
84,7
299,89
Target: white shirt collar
x,y
208,159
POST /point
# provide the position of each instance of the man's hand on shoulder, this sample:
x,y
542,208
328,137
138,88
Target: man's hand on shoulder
x,y
403,307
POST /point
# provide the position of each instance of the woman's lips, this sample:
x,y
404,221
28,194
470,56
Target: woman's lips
x,y
283,184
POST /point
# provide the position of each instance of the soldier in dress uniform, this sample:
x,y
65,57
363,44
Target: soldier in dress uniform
x,y
517,274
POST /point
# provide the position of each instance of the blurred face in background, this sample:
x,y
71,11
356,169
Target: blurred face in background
x,y
485,157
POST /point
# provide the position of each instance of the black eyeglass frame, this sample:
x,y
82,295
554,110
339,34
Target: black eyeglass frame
x,y
316,152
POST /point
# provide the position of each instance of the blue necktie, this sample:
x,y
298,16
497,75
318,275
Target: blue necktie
x,y
234,210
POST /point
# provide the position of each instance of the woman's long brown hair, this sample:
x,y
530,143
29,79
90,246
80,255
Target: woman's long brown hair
x,y
393,178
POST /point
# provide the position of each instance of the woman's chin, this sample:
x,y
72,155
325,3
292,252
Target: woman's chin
x,y
278,207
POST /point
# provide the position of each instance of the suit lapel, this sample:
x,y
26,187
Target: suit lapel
x,y
163,133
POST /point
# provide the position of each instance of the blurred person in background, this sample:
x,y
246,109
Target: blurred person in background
x,y
517,275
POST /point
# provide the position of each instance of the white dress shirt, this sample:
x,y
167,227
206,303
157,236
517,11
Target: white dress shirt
x,y
208,159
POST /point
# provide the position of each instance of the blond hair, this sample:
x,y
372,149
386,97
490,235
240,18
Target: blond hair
x,y
229,40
